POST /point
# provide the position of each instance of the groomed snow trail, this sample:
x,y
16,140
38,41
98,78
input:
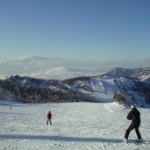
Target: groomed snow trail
x,y
76,126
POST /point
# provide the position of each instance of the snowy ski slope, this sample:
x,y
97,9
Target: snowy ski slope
x,y
76,126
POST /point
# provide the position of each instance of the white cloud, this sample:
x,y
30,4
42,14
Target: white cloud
x,y
61,68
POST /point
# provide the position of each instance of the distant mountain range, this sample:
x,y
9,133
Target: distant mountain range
x,y
121,85
139,73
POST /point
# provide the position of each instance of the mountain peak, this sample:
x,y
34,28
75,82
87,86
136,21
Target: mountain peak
x,y
132,73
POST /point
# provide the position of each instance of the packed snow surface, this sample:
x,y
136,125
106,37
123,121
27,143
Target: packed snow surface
x,y
75,126
103,89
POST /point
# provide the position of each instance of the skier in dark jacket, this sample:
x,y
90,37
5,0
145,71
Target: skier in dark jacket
x,y
133,115
49,117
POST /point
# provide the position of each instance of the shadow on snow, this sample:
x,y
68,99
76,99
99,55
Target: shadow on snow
x,y
58,138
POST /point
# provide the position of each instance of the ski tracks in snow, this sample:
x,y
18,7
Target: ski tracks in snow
x,y
76,126
108,108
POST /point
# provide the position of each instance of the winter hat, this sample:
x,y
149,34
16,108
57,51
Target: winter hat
x,y
133,106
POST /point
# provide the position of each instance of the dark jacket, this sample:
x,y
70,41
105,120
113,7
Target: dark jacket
x,y
134,115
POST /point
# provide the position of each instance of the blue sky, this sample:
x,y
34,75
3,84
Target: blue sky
x,y
97,32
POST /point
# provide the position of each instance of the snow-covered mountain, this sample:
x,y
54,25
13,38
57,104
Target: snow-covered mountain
x,y
140,73
121,85
74,125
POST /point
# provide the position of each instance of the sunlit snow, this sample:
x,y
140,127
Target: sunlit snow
x,y
76,126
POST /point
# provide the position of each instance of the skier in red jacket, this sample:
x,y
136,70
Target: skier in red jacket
x,y
49,117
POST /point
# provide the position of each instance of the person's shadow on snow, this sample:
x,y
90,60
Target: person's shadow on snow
x,y
59,138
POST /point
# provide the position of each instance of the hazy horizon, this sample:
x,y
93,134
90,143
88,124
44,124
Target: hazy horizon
x,y
61,68
63,38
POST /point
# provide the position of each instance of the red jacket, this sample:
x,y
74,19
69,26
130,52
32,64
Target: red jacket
x,y
49,115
